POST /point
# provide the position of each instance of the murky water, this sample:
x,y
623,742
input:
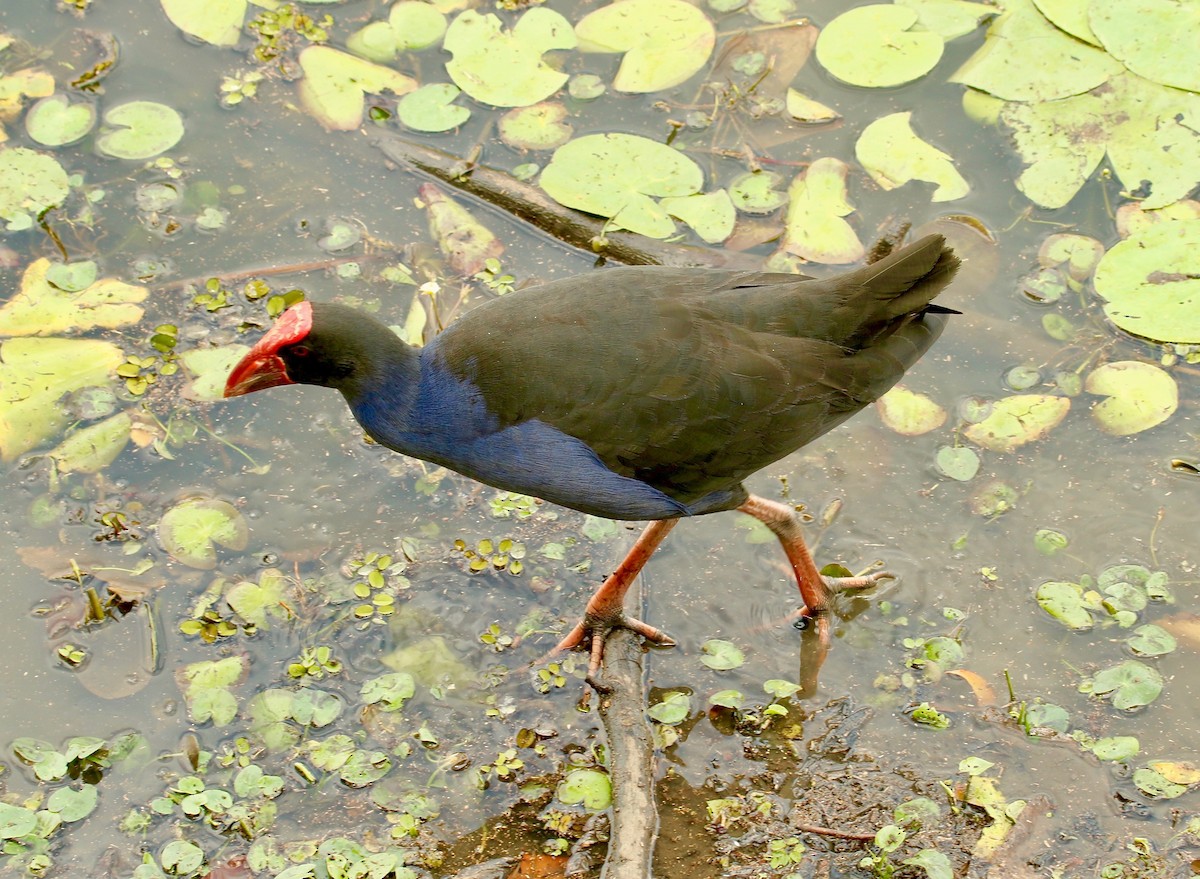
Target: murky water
x,y
328,498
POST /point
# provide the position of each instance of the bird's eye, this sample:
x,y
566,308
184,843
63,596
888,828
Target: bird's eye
x,y
300,350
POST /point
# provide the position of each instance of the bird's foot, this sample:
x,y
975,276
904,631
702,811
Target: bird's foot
x,y
805,616
593,631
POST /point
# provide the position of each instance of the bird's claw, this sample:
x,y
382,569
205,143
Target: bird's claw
x,y
592,632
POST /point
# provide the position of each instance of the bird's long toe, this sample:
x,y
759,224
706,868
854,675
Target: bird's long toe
x,y
592,633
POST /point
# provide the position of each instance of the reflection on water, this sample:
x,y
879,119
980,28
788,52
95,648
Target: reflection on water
x,y
329,498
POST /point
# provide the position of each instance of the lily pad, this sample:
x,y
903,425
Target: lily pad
x,y
1154,784
39,308
1151,640
209,368
432,108
73,804
1129,685
189,530
139,130
92,448
1070,16
16,822
616,175
30,183
1156,39
893,155
335,84
411,26
721,655
804,109
665,42
540,127
1116,748
757,192
949,19
875,47
1017,420
257,603
909,413
1151,282
205,686
214,21
389,691
55,121
72,277
1068,603
710,214
814,228
505,68
588,786
35,374
957,462
1138,396
674,708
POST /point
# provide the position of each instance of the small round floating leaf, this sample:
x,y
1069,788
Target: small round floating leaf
x,y
665,42
588,786
72,804
805,109
757,192
1115,748
1066,603
721,655
1138,396
1129,685
935,864
72,277
55,121
181,858
732,699
959,463
1151,640
336,83
1048,715
416,25
505,68
874,46
189,530
909,413
1153,784
1048,541
674,708
139,130
1017,420
540,127
30,182
16,822
431,108
586,87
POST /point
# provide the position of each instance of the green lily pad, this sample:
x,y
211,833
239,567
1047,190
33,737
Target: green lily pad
x,y
432,108
55,121
214,21
189,530
1047,541
893,155
206,685
539,127
16,822
1070,16
710,214
1138,396
1116,748
209,368
1151,282
1079,254
875,47
814,229
672,709
505,68
92,448
616,175
1068,603
336,83
721,655
804,109
72,277
1154,784
727,699
1151,640
1026,58
139,130
73,804
257,603
181,858
957,462
390,691
1129,685
411,26
665,42
39,308
30,183
908,412
588,786
1017,420
757,192
1048,715
1153,38
35,374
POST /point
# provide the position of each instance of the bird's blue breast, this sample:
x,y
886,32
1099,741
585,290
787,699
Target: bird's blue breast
x,y
447,421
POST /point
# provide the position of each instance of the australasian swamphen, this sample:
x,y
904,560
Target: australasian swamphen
x,y
631,393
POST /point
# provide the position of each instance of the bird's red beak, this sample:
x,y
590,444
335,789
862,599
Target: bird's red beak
x,y
262,367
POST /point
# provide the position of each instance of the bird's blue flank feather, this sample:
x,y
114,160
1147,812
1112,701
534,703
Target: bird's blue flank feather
x,y
447,421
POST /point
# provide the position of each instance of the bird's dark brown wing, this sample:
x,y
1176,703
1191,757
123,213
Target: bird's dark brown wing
x,y
692,379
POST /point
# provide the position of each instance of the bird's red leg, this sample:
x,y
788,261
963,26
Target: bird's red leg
x,y
815,589
605,610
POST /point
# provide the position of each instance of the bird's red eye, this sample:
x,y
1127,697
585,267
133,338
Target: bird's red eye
x,y
300,350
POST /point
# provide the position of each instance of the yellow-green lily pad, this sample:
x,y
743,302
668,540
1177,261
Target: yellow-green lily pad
x,y
588,786
1157,39
431,108
206,688
335,84
909,413
893,155
1129,684
218,22
1070,16
616,175
804,109
139,130
30,182
189,530
875,47
35,374
209,368
665,42
1151,282
55,121
1017,420
41,309
411,26
92,448
1069,604
505,68
257,603
814,229
539,127
1138,396
949,19
710,214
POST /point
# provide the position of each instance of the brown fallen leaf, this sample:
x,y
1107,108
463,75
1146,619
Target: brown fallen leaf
x,y
984,694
